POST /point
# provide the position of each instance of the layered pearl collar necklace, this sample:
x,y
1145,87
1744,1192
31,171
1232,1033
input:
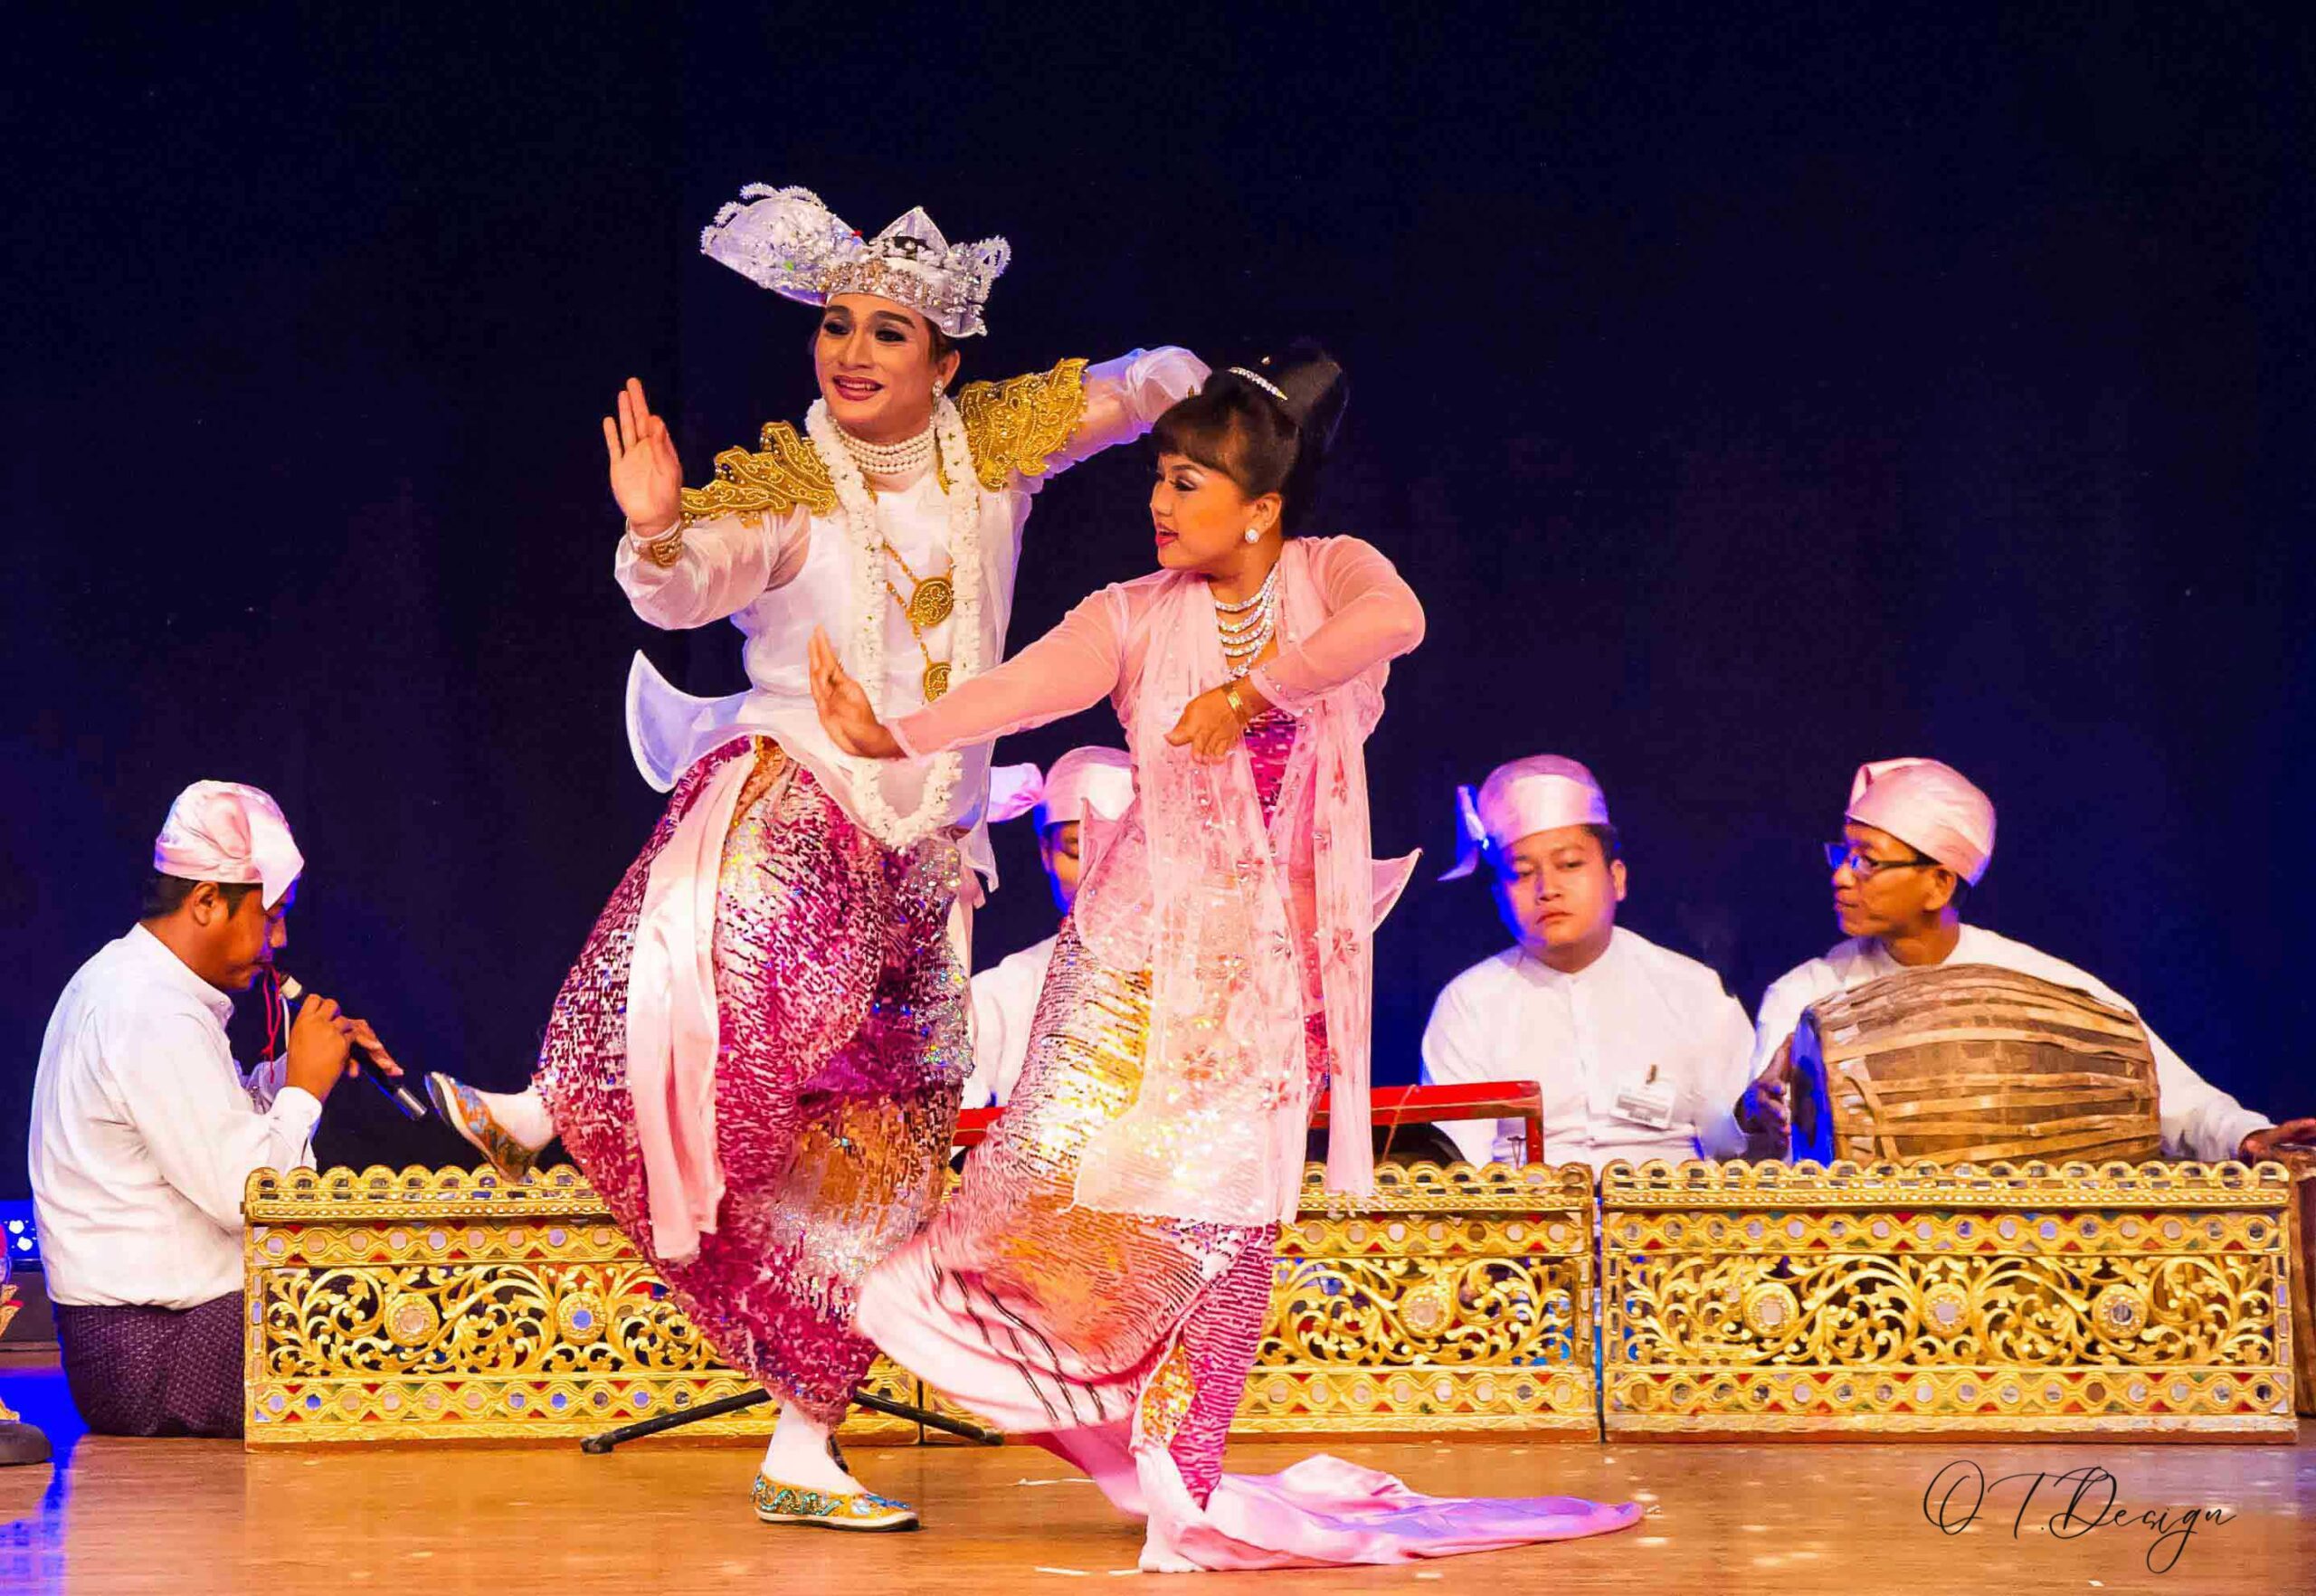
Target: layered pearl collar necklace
x,y
889,459
1247,626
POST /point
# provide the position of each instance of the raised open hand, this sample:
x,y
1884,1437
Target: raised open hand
x,y
846,714
647,478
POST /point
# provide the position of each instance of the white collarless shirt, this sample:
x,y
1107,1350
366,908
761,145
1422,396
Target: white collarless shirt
x,y
2199,1120
145,1130
1636,1012
1005,1006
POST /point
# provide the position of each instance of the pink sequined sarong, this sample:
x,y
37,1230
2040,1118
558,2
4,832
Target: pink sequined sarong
x,y
1099,1318
841,1055
1123,1342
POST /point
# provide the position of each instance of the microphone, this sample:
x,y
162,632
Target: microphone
x,y
395,1092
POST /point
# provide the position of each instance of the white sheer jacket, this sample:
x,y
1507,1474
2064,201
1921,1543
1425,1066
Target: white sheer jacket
x,y
779,572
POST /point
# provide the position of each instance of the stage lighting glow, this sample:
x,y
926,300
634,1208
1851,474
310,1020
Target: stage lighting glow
x,y
24,1238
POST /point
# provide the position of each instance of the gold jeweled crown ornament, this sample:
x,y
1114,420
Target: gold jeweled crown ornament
x,y
786,240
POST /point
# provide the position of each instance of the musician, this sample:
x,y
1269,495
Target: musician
x,y
1637,1048
144,1129
1918,837
1098,782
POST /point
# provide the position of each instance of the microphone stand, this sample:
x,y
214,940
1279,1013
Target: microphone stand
x,y
597,1444
970,1129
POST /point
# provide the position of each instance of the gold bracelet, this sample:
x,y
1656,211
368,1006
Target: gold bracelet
x,y
1237,705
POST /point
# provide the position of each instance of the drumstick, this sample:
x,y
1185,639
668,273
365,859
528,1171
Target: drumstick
x,y
396,1093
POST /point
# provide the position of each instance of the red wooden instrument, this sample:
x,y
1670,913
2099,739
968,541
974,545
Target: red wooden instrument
x,y
1388,1106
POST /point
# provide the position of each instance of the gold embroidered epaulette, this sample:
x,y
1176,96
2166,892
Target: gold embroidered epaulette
x,y
1016,424
783,471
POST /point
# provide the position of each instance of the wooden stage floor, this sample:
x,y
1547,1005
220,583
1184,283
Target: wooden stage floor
x,y
189,1517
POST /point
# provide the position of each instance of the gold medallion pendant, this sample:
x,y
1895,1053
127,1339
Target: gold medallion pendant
x,y
930,603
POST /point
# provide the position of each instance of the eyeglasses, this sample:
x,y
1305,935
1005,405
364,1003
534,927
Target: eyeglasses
x,y
1838,854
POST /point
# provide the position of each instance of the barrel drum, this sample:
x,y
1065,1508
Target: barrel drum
x,y
1972,1064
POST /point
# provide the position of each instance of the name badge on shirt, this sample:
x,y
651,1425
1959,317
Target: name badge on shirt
x,y
1649,1104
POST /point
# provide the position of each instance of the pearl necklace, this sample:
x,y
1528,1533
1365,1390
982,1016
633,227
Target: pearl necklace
x,y
1246,628
889,459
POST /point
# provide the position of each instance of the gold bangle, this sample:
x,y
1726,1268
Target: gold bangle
x,y
1237,705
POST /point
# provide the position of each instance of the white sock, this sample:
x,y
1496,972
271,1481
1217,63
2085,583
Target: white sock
x,y
799,1455
522,1115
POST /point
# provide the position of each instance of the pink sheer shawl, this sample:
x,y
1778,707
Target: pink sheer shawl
x,y
1191,886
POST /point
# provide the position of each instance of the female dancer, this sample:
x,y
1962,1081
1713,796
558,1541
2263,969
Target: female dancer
x,y
758,1056
1101,1278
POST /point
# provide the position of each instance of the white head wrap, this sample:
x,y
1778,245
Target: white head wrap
x,y
226,832
1928,806
1542,792
1097,779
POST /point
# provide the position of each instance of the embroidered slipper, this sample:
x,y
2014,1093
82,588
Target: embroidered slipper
x,y
464,1111
776,1503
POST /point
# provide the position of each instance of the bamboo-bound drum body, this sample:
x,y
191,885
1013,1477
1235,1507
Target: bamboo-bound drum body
x,y
1972,1064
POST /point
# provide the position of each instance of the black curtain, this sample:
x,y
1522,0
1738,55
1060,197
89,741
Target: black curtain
x,y
1747,392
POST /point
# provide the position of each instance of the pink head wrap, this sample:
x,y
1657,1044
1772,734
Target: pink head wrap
x,y
1014,790
1542,792
226,832
1097,779
1928,806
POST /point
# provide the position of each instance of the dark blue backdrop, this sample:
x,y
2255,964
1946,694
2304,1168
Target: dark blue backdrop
x,y
1746,396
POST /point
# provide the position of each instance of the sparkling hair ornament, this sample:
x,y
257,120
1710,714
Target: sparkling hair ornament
x,y
1307,382
786,240
1263,382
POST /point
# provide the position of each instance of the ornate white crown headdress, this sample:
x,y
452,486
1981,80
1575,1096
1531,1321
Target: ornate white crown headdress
x,y
786,240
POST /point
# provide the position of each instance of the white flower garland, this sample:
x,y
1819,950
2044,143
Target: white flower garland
x,y
864,525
